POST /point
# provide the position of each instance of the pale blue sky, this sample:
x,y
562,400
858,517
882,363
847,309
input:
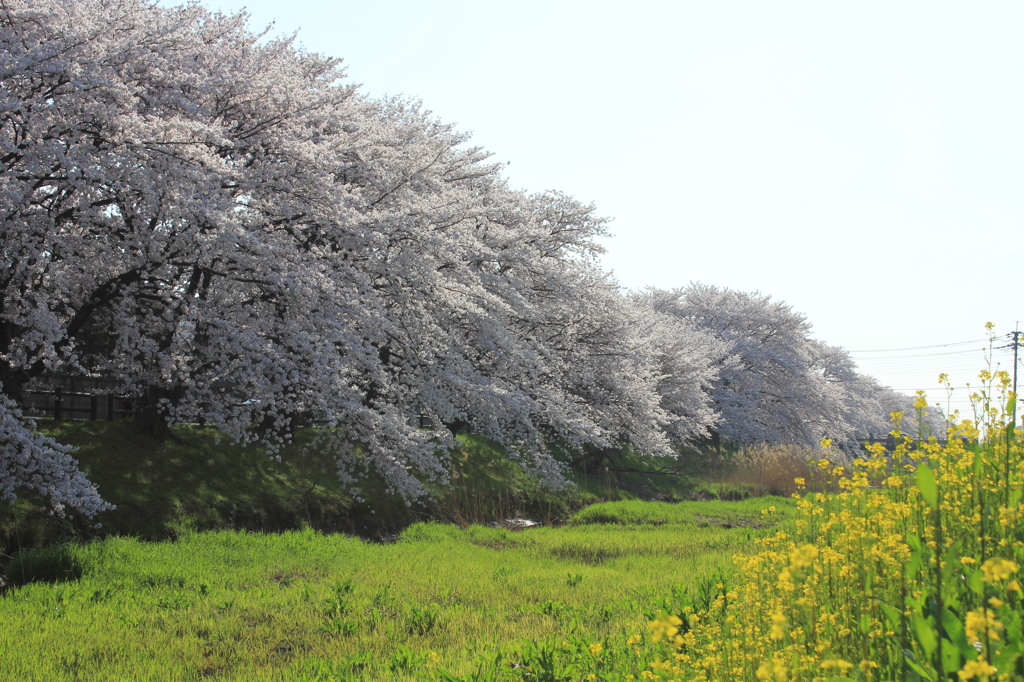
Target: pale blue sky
x,y
862,161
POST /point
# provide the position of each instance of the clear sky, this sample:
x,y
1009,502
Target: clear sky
x,y
861,161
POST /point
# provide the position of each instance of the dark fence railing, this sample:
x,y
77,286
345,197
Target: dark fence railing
x,y
61,397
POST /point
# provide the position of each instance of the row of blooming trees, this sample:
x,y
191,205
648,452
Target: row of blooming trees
x,y
774,383
218,222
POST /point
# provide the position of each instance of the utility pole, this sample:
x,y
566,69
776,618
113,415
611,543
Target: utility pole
x,y
1016,345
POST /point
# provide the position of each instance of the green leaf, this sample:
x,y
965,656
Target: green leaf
x,y
925,673
976,582
918,552
954,628
892,614
950,563
952,659
864,622
1005,659
927,485
912,567
925,633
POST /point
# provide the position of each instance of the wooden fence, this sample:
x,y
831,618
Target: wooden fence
x,y
76,398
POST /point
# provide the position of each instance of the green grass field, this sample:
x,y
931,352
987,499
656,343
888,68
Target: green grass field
x,y
442,602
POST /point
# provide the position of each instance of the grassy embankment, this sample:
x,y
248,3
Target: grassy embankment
x,y
474,603
194,481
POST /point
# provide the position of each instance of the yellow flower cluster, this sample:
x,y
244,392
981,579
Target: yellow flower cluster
x,y
998,570
665,627
910,563
976,670
981,624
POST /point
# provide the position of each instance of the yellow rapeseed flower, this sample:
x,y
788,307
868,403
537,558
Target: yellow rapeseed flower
x,y
778,630
772,670
664,627
783,619
803,556
998,570
977,668
866,666
981,622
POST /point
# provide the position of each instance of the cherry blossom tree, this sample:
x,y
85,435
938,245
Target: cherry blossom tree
x,y
867,407
134,141
689,362
253,244
42,466
218,222
776,384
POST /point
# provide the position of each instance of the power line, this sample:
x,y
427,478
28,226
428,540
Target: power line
x,y
933,355
939,345
999,353
940,388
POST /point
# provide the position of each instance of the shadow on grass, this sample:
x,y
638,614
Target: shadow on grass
x,y
53,564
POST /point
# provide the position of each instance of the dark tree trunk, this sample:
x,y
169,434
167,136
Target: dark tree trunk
x,y
149,415
13,383
458,426
592,458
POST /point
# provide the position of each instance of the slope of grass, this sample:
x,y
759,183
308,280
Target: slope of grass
x,y
303,605
194,480
191,480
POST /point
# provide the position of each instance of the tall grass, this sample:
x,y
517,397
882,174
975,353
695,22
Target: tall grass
x,y
768,469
